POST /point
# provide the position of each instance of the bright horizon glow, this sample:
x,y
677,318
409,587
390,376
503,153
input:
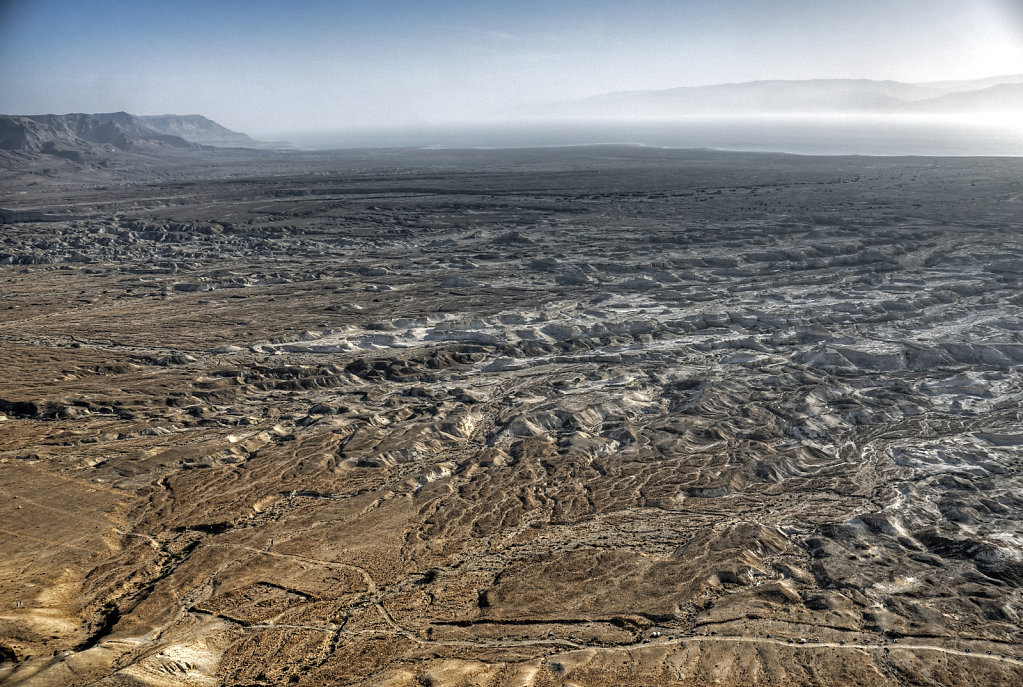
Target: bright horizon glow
x,y
267,67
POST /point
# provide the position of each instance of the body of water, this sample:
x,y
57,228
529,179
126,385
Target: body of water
x,y
859,135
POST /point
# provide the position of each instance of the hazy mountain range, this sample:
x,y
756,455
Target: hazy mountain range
x,y
199,129
997,95
95,138
77,135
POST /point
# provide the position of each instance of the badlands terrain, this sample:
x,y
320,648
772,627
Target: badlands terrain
x,y
581,416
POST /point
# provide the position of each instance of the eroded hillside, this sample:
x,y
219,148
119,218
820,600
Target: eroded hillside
x,y
581,417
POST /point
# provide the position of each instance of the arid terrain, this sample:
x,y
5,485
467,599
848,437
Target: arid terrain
x,y
588,416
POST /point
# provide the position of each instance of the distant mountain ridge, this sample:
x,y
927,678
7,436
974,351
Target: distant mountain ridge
x,y
92,136
76,135
811,97
1002,98
199,129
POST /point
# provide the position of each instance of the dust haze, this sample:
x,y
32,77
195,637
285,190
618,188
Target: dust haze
x,y
274,73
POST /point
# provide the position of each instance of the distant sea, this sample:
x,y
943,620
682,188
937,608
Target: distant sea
x,y
824,135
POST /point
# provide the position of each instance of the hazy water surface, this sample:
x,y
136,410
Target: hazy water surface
x,y
862,135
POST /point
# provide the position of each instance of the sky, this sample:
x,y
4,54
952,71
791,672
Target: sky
x,y
273,67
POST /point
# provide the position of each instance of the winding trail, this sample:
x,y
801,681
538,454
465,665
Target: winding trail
x,y
371,585
571,646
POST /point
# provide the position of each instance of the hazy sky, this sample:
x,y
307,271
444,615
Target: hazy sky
x,y
268,67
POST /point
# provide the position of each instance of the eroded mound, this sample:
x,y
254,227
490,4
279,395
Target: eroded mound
x,y
615,416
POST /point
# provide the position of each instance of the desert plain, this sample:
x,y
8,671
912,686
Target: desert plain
x,y
603,415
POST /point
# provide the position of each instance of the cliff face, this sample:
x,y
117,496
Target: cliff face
x,y
72,135
198,129
78,135
51,143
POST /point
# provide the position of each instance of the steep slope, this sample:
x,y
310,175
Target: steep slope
x,y
81,133
198,129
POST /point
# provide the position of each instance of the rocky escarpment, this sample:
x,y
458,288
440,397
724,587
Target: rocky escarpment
x,y
115,147
198,129
80,133
99,140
